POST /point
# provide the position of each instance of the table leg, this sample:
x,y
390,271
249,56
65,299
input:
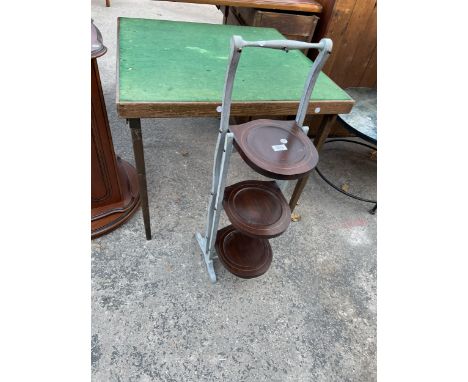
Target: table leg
x,y
226,14
137,139
322,134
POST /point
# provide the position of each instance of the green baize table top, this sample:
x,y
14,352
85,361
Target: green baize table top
x,y
172,61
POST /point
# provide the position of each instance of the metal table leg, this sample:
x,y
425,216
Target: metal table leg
x,y
324,130
135,128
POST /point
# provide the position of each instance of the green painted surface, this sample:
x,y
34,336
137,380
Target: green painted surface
x,y
169,61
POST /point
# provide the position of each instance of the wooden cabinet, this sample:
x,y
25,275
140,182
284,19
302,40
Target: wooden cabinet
x,y
294,26
114,184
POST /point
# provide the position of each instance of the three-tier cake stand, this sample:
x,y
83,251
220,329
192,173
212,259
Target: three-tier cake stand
x,y
279,150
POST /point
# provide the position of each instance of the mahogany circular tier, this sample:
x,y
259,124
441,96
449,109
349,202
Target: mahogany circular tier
x,y
257,208
242,255
276,149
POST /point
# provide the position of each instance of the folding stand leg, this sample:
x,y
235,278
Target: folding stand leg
x,y
203,241
216,166
211,237
218,158
206,243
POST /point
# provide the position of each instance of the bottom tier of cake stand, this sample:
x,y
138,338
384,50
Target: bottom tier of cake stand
x,y
242,255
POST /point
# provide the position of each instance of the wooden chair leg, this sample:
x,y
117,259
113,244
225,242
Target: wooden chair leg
x,y
107,3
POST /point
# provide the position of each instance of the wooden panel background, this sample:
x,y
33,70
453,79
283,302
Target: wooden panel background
x,y
352,25
353,28
285,5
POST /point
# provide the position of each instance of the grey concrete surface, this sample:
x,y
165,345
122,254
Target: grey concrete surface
x,y
156,316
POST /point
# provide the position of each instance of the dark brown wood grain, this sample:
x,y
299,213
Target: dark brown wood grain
x,y
369,79
356,45
366,50
325,15
352,25
257,208
285,5
208,109
335,29
242,255
114,186
255,143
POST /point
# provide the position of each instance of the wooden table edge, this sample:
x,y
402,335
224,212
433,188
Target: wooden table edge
x,y
117,64
208,109
313,7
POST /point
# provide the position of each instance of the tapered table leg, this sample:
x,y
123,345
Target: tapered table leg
x,y
226,14
135,127
322,134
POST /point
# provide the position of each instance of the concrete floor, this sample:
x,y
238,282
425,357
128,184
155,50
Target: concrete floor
x,y
155,315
